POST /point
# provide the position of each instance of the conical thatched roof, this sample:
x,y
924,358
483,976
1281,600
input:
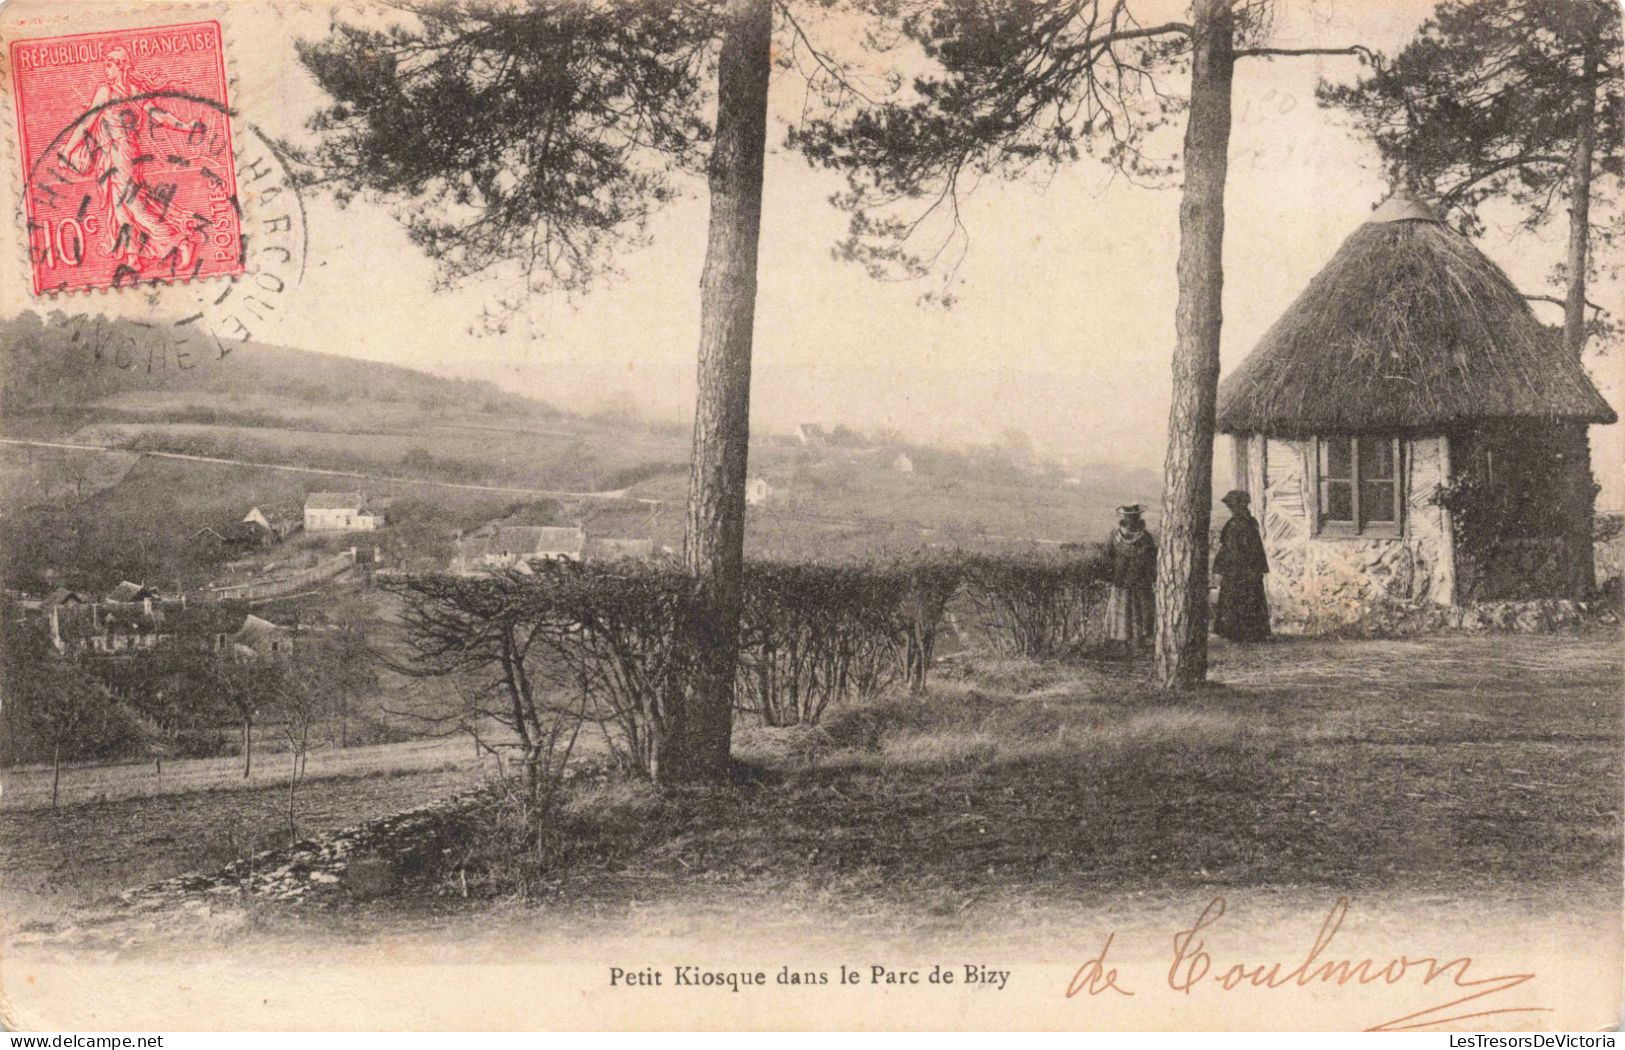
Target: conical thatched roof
x,y
1409,326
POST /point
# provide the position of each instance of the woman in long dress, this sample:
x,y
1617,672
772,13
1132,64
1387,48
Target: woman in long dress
x,y
115,140
1132,553
1244,612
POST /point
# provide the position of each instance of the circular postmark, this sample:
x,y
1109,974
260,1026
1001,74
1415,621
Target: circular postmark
x,y
150,191
244,246
115,202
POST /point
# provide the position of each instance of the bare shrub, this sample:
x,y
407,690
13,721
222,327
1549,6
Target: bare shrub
x,y
930,582
627,648
1038,603
812,634
490,638
544,653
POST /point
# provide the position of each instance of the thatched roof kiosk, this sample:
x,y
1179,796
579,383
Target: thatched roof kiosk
x,y
1409,326
1372,420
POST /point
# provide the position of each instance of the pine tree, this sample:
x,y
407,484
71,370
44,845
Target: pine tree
x,y
1025,85
1520,102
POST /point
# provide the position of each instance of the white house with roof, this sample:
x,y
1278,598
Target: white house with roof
x,y
340,512
811,435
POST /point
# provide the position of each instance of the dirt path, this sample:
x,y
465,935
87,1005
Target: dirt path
x,y
29,787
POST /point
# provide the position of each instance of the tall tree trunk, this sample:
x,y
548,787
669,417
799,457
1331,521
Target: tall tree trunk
x,y
1582,556
293,784
1580,160
1187,501
696,745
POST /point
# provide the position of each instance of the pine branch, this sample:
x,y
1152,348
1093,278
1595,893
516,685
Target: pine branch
x,y
1291,52
1598,309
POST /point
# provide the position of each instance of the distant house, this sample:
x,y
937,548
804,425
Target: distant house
x,y
493,548
202,626
902,464
341,512
127,593
223,628
258,639
565,542
209,536
604,548
811,435
123,629
758,492
232,539
271,524
61,597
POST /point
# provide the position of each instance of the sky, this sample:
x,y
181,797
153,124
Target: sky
x,y
1063,324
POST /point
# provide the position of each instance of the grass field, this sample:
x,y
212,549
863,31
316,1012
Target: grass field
x,y
43,475
89,517
56,861
1450,765
1454,766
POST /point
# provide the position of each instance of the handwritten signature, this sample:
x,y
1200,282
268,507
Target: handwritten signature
x,y
1192,967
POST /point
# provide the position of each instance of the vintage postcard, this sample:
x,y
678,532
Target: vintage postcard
x,y
811,514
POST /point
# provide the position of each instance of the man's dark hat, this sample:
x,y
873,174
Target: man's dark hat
x,y
1236,498
1132,510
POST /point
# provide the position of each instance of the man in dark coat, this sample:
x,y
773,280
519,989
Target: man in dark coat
x,y
1244,613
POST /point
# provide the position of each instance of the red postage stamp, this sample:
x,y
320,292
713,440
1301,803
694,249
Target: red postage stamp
x,y
126,146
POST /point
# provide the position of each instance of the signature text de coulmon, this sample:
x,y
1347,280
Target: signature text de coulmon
x,y
1193,967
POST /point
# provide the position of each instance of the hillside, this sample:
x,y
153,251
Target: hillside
x,y
63,362
166,450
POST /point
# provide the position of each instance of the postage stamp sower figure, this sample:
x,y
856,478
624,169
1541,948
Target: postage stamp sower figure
x,y
126,145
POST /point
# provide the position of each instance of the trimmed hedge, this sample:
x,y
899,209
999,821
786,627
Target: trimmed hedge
x,y
602,642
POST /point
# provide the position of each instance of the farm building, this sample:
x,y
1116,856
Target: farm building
x,y
758,491
285,580
1409,431
903,464
609,548
259,638
341,512
168,625
127,593
811,435
64,598
492,547
271,524
232,538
